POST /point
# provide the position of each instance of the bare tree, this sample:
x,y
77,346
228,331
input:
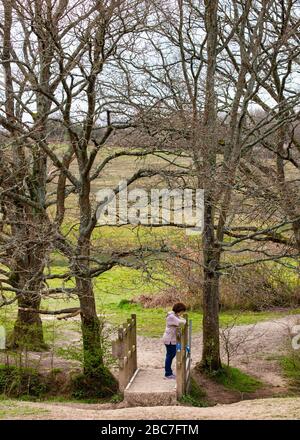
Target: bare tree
x,y
23,180
205,70
72,90
178,80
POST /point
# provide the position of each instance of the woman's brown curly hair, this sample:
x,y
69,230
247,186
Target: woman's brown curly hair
x,y
179,307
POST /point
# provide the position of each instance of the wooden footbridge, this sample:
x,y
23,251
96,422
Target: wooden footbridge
x,y
149,386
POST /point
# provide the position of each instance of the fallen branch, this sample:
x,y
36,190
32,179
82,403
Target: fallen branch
x,y
71,310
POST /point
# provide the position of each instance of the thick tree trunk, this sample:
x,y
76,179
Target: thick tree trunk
x,y
211,344
97,380
27,276
211,253
33,232
91,329
28,329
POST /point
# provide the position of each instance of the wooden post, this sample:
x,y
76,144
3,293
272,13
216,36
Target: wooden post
x,y
130,358
121,354
189,357
184,353
126,360
183,360
134,341
179,365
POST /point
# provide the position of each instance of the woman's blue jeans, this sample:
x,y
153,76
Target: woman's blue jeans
x,y
171,353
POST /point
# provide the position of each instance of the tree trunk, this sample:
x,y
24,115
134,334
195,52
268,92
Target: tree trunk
x,y
27,276
97,380
34,232
211,253
91,329
211,343
28,329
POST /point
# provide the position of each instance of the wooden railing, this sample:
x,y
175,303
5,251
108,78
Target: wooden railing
x,y
183,357
124,348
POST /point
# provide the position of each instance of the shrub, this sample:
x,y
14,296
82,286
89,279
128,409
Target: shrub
x,y
291,368
196,396
18,382
255,287
258,288
87,387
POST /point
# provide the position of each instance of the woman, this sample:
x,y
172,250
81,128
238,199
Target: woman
x,y
169,338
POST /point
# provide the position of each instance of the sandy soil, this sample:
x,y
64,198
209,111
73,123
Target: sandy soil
x,y
253,348
279,408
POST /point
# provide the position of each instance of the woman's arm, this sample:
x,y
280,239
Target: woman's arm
x,y
175,320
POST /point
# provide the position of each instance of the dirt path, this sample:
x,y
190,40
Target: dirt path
x,y
287,408
255,349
